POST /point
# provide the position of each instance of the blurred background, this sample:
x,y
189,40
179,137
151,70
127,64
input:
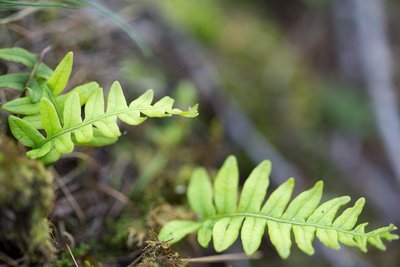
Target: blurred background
x,y
311,85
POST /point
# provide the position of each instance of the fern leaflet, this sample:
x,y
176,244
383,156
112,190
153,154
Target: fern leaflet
x,y
222,218
26,58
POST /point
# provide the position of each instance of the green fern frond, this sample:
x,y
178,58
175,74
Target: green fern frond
x,y
222,217
59,115
62,132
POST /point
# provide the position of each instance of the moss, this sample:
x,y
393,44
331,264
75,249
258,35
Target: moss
x,y
26,199
159,254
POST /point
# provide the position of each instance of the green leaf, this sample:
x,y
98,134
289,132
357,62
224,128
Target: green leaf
x,y
176,230
347,221
99,139
24,57
143,101
72,111
63,144
84,91
299,210
35,91
304,204
24,132
34,120
200,193
94,107
161,108
51,157
29,105
326,212
18,55
349,217
279,234
205,232
324,215
50,121
255,188
14,81
40,152
116,99
61,74
22,105
279,199
252,233
225,232
72,118
132,116
303,216
375,237
252,196
226,186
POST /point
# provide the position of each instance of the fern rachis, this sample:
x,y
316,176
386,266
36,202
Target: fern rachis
x,y
104,116
223,222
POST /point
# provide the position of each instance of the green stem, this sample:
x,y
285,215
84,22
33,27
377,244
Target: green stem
x,y
280,220
90,122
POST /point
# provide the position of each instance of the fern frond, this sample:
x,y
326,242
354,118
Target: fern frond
x,y
59,115
222,218
69,128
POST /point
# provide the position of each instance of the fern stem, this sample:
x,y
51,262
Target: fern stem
x,y
280,220
89,122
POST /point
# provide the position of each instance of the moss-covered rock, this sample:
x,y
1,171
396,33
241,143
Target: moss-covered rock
x,y
26,199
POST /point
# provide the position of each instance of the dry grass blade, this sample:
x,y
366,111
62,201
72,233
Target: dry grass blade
x,y
72,256
226,257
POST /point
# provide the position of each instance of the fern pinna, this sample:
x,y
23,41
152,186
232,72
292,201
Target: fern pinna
x,y
222,219
59,115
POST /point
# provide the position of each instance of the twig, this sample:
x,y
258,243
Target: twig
x,y
124,258
39,60
67,178
92,163
71,200
7,260
133,263
72,255
108,190
19,15
225,257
